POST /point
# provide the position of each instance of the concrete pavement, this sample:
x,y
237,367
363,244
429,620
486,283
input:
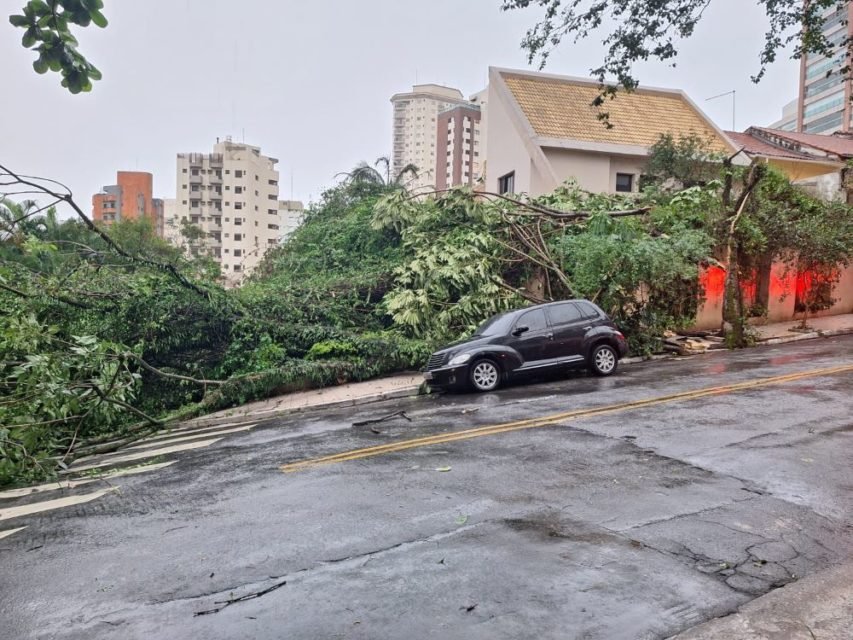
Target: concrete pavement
x,y
816,607
634,515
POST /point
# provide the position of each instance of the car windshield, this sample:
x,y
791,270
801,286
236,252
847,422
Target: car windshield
x,y
495,326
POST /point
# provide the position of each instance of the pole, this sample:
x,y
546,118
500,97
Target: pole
x,y
733,94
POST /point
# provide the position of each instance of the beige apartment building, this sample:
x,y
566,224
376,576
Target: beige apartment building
x,y
415,130
292,214
231,195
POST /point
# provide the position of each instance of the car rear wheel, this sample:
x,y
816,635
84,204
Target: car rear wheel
x,y
603,360
484,375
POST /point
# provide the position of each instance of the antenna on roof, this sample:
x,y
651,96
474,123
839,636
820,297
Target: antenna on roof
x,y
733,94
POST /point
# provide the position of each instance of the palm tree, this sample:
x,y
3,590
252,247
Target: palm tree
x,y
14,217
366,174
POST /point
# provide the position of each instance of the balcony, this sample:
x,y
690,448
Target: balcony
x,y
195,179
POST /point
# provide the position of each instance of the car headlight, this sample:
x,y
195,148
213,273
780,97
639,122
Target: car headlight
x,y
462,358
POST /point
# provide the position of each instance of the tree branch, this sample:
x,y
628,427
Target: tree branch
x,y
69,200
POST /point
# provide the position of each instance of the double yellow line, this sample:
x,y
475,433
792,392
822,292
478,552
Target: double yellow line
x,y
545,421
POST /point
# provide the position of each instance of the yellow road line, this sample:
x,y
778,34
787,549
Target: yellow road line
x,y
550,420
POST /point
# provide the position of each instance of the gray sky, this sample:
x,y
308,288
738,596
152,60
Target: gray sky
x,y
310,81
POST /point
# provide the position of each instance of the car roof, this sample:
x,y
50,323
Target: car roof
x,y
545,304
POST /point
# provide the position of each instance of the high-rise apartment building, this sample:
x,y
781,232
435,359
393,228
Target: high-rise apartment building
x,y
130,198
415,125
230,199
292,214
825,88
458,159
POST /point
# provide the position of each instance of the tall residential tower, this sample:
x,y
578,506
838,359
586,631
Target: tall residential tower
x,y
227,202
825,89
415,125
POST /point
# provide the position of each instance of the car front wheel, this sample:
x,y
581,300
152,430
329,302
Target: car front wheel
x,y
603,360
484,375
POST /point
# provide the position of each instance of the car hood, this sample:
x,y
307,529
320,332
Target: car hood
x,y
464,345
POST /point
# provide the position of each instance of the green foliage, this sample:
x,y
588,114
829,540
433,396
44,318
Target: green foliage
x,y
686,160
46,30
448,281
54,390
373,280
646,280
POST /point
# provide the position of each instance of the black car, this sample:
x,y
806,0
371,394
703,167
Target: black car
x,y
573,333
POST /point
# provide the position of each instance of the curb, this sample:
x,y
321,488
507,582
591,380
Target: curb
x,y
808,336
414,391
819,605
269,414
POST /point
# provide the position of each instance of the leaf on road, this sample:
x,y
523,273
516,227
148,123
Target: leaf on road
x,y
461,520
443,469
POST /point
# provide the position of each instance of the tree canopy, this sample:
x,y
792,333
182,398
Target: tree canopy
x,y
47,31
635,31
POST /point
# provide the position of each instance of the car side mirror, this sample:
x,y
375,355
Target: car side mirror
x,y
519,330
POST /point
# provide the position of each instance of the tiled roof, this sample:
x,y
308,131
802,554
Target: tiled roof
x,y
838,145
756,147
561,108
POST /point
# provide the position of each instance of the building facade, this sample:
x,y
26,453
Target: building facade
x,y
825,88
292,214
414,132
788,121
130,198
229,200
458,158
543,131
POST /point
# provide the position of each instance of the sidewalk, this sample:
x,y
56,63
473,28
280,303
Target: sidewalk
x,y
404,385
818,607
821,327
351,394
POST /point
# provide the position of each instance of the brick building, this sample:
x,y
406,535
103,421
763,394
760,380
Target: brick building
x,y
130,198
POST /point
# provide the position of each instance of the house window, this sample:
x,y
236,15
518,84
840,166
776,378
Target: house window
x,y
238,237
238,189
238,221
237,267
238,173
506,184
238,253
624,182
238,205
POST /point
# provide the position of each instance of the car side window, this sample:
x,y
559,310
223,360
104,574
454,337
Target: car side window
x,y
534,320
565,313
587,310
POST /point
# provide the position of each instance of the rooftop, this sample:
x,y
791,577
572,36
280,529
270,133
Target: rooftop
x,y
561,107
757,147
837,144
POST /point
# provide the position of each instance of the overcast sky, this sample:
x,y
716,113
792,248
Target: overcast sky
x,y
310,80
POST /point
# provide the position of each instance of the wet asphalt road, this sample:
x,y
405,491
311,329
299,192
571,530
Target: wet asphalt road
x,y
638,523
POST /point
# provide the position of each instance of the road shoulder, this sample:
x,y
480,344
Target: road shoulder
x,y
819,606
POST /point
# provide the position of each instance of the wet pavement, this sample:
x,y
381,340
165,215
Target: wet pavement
x,y
635,522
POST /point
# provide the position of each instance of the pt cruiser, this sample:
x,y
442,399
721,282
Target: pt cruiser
x,y
568,334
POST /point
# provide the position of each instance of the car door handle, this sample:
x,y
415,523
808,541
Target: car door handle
x,y
587,328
